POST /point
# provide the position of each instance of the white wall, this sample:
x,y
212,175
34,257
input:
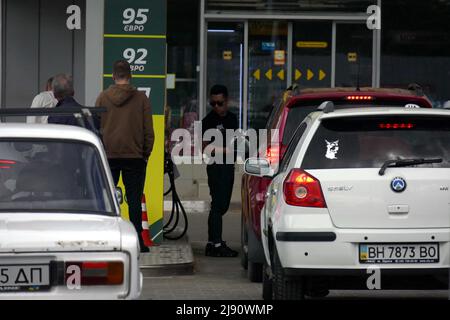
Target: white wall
x,y
94,49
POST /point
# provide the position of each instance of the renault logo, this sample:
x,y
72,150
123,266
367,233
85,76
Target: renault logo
x,y
398,184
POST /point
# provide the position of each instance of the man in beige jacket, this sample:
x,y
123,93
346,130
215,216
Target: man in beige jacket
x,y
45,99
128,137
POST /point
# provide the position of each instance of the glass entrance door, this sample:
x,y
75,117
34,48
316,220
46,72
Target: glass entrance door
x,y
312,45
267,69
225,62
354,52
320,59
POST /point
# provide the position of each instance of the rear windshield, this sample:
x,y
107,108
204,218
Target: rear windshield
x,y
49,176
299,112
367,142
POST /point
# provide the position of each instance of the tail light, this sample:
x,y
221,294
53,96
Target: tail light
x,y
396,126
99,273
303,190
6,164
7,161
273,154
359,98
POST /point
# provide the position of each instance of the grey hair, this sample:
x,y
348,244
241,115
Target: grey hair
x,y
63,86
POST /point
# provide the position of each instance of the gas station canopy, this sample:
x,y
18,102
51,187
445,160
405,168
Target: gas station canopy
x,y
289,5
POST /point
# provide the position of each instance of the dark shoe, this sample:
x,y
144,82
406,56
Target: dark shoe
x,y
222,251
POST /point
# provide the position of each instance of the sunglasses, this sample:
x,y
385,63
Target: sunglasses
x,y
216,103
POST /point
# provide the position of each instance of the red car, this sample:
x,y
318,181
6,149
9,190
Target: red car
x,y
286,117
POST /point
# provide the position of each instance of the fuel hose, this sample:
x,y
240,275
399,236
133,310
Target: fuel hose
x,y
171,226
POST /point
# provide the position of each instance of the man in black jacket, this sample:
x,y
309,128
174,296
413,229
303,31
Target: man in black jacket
x,y
64,92
220,175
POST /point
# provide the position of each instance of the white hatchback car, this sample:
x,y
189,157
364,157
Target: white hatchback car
x,y
61,234
358,190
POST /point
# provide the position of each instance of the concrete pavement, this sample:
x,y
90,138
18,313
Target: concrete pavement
x,y
213,279
224,278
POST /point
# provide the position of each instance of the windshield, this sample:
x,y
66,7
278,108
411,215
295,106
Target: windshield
x,y
368,142
50,176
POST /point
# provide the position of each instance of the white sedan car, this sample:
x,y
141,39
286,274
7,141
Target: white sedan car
x,y
358,192
61,234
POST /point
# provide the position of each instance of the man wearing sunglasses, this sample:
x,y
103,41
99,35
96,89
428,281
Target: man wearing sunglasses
x,y
220,175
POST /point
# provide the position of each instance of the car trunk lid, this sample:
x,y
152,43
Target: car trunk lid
x,y
361,198
58,232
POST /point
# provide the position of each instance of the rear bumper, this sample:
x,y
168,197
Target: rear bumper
x,y
309,244
131,287
389,279
435,272
316,250
306,236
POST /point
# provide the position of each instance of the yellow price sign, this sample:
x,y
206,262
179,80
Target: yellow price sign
x,y
227,55
352,57
312,44
279,57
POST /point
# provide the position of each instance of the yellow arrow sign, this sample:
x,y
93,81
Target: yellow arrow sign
x,y
310,75
269,74
280,75
257,74
322,75
298,74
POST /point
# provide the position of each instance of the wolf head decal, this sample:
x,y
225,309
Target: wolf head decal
x,y
332,149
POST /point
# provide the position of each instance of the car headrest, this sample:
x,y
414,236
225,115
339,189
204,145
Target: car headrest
x,y
43,177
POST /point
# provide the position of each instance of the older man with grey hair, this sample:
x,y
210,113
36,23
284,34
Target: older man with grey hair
x,y
63,90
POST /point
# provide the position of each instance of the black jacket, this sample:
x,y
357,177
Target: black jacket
x,y
69,120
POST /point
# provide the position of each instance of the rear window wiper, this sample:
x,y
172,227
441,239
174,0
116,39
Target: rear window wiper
x,y
406,163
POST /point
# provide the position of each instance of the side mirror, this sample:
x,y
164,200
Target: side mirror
x,y
119,195
258,167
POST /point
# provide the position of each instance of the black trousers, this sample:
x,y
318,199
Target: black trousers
x,y
133,177
220,182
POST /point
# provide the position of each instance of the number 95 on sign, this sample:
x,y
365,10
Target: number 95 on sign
x,y
135,19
